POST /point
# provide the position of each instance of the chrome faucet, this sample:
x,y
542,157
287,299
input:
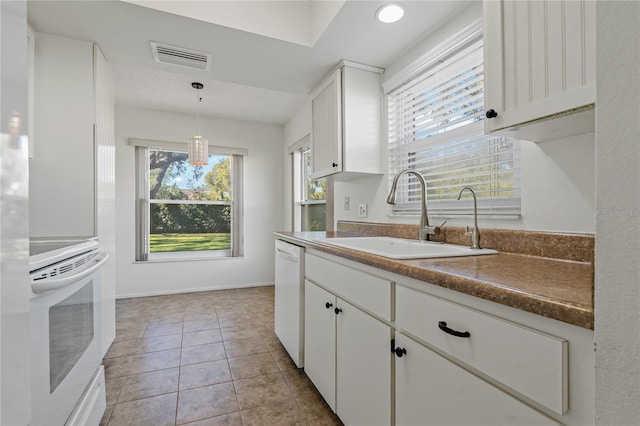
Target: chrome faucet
x,y
475,232
425,229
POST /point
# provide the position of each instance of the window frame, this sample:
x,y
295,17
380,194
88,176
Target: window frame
x,y
304,196
143,205
306,203
300,202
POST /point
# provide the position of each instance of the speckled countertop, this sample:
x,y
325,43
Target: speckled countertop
x,y
558,289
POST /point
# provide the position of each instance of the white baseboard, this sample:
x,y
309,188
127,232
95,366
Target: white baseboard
x,y
191,290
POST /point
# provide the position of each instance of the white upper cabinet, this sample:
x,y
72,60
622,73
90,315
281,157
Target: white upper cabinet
x,y
539,68
61,172
73,105
345,135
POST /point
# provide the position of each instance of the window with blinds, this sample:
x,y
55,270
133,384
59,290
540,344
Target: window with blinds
x,y
436,129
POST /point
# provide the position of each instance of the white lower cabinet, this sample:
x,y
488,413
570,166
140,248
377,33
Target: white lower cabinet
x,y
347,357
431,390
320,340
458,360
532,363
363,367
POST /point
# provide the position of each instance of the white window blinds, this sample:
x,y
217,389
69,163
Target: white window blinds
x,y
436,128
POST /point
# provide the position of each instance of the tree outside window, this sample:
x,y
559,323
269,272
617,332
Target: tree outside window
x,y
190,207
313,204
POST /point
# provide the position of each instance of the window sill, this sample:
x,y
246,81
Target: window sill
x,y
512,216
186,257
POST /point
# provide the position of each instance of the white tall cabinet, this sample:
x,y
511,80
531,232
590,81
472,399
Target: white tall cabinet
x,y
539,64
15,364
61,173
72,166
105,176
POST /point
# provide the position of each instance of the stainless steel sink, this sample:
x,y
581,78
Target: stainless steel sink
x,y
400,248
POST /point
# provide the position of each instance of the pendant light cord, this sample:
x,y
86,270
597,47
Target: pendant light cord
x,y
198,100
197,86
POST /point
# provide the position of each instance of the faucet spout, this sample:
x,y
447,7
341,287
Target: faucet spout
x,y
425,229
475,232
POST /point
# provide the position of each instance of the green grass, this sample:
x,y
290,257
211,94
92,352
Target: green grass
x,y
161,243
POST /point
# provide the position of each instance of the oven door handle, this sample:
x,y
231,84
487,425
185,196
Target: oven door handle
x,y
57,283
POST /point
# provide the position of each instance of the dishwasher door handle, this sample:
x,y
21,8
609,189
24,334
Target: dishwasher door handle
x,y
285,254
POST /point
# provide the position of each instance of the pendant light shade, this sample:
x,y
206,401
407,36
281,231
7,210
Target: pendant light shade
x,y
198,147
198,151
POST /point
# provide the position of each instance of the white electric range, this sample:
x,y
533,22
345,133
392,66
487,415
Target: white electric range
x,y
68,385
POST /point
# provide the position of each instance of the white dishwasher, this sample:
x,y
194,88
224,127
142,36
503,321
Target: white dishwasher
x,y
289,307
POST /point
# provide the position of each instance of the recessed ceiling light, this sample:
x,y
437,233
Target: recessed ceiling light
x,y
390,13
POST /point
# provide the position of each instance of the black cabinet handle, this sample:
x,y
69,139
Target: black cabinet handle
x,y
337,310
399,352
328,305
491,113
443,326
334,164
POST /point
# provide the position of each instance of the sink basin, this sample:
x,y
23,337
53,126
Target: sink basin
x,y
400,248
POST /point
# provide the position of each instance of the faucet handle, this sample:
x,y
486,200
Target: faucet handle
x,y
434,230
442,224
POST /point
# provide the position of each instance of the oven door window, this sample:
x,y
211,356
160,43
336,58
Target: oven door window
x,y
70,333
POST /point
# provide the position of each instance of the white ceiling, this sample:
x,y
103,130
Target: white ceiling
x,y
254,77
301,21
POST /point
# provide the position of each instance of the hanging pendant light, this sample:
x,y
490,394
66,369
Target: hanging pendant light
x,y
198,146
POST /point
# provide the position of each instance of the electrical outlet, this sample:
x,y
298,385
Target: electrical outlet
x,y
346,203
362,210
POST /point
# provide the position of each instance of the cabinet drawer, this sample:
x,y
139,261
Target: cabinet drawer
x,y
431,390
530,362
367,291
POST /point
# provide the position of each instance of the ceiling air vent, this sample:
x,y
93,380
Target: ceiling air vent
x,y
166,54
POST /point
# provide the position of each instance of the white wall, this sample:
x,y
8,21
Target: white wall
x,y
263,204
558,177
617,272
471,13
558,191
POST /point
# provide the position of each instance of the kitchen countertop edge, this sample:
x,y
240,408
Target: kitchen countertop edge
x,y
505,293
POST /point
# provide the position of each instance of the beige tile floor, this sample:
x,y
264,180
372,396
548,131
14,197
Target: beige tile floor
x,y
208,358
